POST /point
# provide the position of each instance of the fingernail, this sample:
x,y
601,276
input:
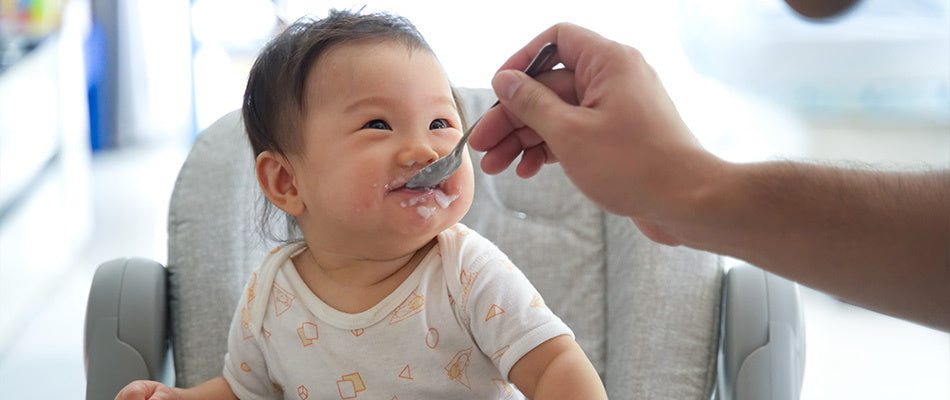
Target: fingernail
x,y
506,83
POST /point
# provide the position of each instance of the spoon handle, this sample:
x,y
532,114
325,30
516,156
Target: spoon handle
x,y
535,67
540,60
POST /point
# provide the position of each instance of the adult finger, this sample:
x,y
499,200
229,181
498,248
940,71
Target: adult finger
x,y
499,157
532,159
498,123
536,105
502,154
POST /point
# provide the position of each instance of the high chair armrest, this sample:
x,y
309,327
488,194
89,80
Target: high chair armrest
x,y
125,332
762,340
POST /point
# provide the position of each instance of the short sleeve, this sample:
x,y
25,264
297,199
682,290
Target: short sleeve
x,y
507,316
245,368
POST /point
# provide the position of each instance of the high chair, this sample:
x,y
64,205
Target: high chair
x,y
657,322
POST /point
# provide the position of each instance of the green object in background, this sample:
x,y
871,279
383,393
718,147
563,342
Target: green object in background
x,y
31,18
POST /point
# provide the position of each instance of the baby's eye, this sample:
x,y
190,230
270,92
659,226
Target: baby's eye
x,y
440,123
377,124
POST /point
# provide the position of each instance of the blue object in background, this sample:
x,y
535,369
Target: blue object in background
x,y
96,90
139,84
101,56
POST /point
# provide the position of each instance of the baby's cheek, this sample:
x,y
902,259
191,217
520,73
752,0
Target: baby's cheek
x,y
463,203
465,180
361,204
464,188
363,190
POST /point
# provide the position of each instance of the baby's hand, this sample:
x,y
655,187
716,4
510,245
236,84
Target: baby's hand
x,y
147,390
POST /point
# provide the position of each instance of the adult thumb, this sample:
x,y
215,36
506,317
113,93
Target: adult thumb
x,y
535,104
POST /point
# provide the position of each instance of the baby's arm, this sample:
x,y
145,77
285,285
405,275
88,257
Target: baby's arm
x,y
214,389
557,369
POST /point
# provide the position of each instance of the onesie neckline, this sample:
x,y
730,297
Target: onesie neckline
x,y
344,320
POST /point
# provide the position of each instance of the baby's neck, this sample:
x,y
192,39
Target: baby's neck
x,y
352,284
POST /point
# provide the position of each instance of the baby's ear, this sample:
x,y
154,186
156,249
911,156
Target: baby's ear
x,y
276,177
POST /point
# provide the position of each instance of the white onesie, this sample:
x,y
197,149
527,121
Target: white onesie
x,y
453,329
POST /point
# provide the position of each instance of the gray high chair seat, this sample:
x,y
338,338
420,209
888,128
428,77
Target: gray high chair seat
x,y
655,321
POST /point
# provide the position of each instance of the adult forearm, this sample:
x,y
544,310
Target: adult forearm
x,y
877,239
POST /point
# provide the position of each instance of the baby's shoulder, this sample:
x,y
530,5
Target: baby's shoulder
x,y
466,255
466,248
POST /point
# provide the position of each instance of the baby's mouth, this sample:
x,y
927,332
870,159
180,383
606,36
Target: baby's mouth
x,y
399,184
403,189
419,189
422,194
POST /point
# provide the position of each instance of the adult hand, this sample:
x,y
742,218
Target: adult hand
x,y
609,122
875,238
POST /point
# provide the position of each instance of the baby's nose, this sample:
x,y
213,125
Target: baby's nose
x,y
417,152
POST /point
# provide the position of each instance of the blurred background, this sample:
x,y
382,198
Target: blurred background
x,y
100,101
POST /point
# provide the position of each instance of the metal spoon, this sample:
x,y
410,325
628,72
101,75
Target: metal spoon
x,y
441,169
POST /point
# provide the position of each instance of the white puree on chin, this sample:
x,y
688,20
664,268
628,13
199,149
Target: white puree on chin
x,y
442,199
413,201
425,212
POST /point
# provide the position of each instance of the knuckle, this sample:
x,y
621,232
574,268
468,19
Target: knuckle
x,y
575,122
634,54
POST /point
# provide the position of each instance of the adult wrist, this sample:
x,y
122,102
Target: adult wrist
x,y
706,211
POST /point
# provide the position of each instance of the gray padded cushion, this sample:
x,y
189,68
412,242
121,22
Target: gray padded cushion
x,y
662,317
647,315
213,245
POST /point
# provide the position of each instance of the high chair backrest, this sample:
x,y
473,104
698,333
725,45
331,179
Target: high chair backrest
x,y
647,315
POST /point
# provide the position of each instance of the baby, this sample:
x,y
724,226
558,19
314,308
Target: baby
x,y
387,296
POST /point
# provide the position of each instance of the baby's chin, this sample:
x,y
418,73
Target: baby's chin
x,y
433,209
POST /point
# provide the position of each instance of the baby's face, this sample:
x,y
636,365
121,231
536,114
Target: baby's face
x,y
374,115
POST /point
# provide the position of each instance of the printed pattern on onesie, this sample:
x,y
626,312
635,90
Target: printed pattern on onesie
x,y
452,329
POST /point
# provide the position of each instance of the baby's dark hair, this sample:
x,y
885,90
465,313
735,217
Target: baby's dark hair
x,y
274,97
